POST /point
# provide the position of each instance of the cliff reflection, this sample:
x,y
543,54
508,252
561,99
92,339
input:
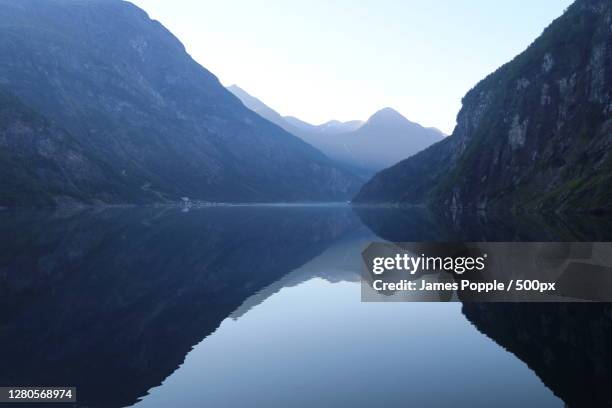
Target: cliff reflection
x,y
569,346
425,225
112,301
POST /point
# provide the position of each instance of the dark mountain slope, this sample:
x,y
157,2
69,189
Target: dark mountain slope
x,y
157,282
41,164
534,134
159,125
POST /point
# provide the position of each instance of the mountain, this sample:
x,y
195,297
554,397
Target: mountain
x,y
534,134
101,104
334,127
40,162
257,106
289,123
298,125
385,139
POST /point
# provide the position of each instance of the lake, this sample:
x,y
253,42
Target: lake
x,y
261,306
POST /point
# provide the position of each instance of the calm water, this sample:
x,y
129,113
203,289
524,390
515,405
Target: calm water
x,y
260,306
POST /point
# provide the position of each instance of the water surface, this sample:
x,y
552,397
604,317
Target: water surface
x,y
260,306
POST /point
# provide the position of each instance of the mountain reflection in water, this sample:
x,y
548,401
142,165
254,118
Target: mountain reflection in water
x,y
114,302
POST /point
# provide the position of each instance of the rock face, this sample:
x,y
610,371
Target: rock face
x,y
363,147
120,113
534,134
41,163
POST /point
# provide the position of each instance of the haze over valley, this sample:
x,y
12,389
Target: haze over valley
x,y
384,139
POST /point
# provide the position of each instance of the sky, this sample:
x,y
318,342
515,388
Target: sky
x,y
346,59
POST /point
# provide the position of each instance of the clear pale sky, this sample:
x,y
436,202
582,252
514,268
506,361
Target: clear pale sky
x,y
345,59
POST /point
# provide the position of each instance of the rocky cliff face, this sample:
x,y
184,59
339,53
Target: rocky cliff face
x,y
535,134
43,165
157,125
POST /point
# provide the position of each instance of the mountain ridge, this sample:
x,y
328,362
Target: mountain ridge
x,y
365,147
160,125
386,138
291,124
534,134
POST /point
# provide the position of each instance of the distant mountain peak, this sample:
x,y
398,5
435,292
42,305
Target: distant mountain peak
x,y
336,126
291,123
387,115
332,122
234,87
385,139
256,105
241,93
388,111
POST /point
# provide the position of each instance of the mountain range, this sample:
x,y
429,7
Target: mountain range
x,y
384,139
291,123
99,104
535,134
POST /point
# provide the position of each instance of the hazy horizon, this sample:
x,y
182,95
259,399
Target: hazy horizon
x,y
320,61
